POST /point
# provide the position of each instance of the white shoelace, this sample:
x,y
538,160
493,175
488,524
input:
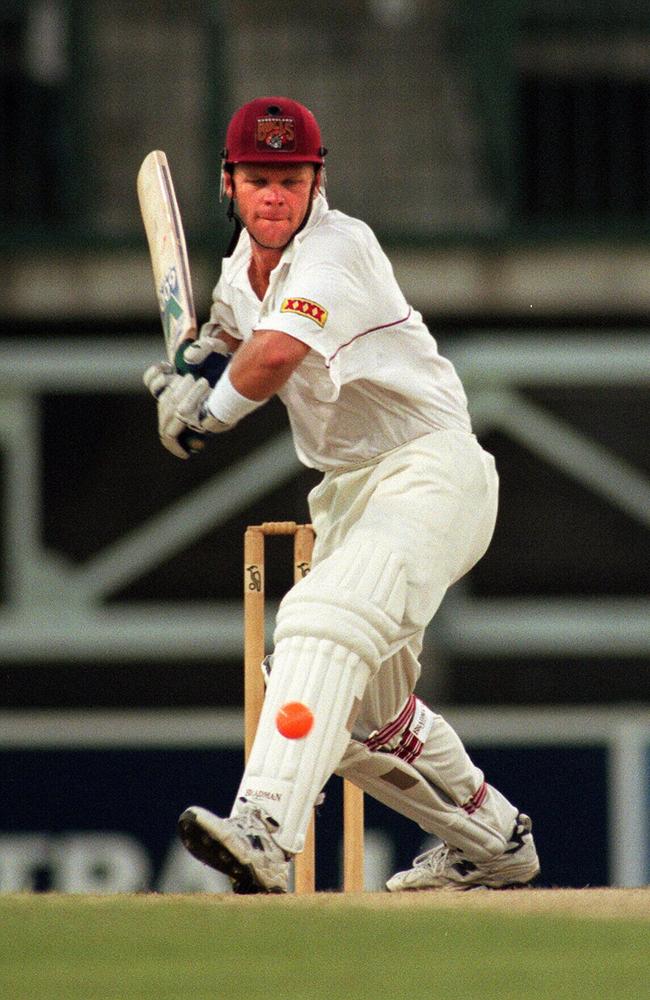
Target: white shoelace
x,y
435,858
252,822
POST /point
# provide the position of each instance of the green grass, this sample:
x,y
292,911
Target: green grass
x,y
202,948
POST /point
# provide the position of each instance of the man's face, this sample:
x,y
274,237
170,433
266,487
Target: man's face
x,y
272,199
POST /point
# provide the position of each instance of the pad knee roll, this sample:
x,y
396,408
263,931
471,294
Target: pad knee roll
x,y
355,598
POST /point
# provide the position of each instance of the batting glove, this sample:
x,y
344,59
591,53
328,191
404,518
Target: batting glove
x,y
182,412
158,377
206,358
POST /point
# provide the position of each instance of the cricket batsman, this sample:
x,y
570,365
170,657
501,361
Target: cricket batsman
x,y
307,308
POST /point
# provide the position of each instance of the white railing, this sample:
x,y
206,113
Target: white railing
x,y
494,370
53,608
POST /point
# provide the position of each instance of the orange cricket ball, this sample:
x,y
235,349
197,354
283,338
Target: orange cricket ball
x,y
294,720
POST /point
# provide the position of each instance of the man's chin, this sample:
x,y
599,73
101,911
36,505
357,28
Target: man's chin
x,y
272,241
271,245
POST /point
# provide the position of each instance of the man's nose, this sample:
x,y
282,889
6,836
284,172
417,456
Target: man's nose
x,y
274,192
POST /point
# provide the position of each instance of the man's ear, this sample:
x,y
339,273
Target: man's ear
x,y
227,185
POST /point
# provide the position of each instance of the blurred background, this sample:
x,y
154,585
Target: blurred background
x,y
501,151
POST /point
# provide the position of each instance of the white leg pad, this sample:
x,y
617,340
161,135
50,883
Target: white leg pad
x,y
355,597
285,776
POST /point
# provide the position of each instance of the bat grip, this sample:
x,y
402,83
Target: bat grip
x,y
192,441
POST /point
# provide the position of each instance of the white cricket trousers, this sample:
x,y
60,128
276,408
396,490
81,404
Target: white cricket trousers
x,y
391,536
434,501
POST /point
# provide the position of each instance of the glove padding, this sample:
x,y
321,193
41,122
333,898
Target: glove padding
x,y
181,408
158,377
207,357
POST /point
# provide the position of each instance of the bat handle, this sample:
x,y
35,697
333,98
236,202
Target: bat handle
x,y
192,441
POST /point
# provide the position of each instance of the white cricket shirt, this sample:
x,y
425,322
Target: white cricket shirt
x,y
373,378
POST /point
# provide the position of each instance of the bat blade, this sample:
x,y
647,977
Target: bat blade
x,y
168,251
169,262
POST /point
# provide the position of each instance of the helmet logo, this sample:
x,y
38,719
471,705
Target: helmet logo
x,y
276,133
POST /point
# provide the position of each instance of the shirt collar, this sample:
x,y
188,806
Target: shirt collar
x,y
235,267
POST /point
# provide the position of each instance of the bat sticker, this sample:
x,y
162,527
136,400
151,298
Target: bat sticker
x,y
171,309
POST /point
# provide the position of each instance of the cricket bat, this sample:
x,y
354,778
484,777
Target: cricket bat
x,y
169,262
168,251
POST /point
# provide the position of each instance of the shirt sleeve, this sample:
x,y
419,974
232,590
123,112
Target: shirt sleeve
x,y
222,316
329,296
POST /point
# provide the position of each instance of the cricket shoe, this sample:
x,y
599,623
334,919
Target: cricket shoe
x,y
445,867
242,847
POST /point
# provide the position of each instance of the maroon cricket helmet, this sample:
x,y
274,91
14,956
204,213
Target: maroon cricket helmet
x,y
273,130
